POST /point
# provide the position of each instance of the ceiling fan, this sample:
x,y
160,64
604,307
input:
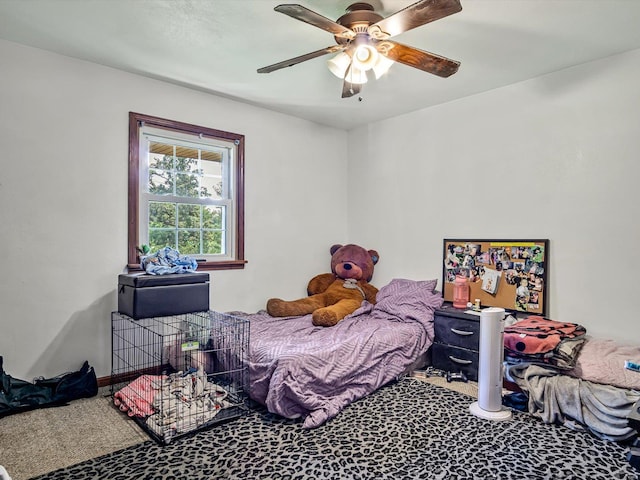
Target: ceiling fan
x,y
363,41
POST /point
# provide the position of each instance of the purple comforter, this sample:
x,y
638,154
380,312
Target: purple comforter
x,y
299,370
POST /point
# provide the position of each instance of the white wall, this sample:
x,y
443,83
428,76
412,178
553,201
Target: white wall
x,y
63,203
555,157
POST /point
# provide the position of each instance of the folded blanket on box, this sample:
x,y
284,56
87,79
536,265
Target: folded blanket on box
x,y
166,261
578,404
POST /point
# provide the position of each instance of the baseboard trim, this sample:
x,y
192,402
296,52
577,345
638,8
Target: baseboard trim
x,y
129,376
104,381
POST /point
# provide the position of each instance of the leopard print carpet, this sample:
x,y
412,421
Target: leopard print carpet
x,y
407,430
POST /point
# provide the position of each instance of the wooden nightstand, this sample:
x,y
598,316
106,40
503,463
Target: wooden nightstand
x,y
457,341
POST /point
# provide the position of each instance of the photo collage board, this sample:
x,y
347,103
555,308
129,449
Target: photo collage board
x,y
511,274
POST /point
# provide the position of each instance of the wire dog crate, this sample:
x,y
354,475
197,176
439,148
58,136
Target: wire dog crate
x,y
178,374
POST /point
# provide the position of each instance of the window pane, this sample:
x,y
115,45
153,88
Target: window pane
x,y
160,238
212,217
211,187
187,185
186,164
162,215
189,242
160,182
211,168
188,216
212,242
160,155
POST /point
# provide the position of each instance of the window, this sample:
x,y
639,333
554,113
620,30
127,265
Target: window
x,y
186,191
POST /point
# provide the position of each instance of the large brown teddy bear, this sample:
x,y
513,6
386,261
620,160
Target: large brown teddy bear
x,y
333,296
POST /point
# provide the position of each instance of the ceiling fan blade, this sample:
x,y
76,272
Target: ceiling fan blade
x,y
350,89
413,57
420,13
296,60
312,18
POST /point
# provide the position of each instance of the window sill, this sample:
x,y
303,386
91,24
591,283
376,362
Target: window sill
x,y
202,266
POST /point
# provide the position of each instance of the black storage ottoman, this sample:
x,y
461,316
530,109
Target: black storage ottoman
x,y
144,296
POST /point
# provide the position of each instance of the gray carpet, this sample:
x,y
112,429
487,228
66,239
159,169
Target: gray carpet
x,y
408,430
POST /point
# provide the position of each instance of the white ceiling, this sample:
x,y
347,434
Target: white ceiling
x,y
217,45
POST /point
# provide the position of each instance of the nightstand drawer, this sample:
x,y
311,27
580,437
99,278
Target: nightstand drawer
x,y
457,332
454,359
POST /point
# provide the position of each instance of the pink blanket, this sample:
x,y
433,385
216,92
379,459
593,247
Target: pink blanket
x,y
137,397
299,370
602,361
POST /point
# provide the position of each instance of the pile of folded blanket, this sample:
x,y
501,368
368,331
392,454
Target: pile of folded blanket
x,y
166,261
172,404
544,358
540,341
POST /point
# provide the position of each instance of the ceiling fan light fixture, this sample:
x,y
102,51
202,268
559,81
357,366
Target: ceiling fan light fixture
x,y
339,64
382,66
365,57
355,75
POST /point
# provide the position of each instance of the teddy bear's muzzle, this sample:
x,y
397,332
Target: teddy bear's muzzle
x,y
348,270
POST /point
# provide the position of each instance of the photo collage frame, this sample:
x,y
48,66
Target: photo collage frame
x,y
511,274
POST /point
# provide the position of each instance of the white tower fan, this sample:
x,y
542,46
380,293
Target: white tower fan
x,y
489,404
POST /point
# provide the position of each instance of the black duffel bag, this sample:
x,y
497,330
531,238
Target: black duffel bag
x,y
19,395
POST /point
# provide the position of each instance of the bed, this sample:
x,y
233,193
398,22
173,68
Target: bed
x,y
301,371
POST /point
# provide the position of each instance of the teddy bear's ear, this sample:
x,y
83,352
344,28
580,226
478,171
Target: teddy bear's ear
x,y
374,256
335,248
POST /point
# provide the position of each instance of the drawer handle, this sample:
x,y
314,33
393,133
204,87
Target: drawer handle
x,y
459,360
461,332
